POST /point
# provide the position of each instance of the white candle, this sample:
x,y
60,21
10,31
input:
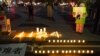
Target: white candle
x,y
37,29
41,30
44,29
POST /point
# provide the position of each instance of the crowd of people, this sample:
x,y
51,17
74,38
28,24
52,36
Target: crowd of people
x,y
79,12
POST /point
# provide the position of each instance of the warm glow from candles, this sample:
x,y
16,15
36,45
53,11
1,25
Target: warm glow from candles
x,y
39,34
55,34
20,35
30,35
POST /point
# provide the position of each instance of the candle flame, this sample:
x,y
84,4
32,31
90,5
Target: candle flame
x,y
30,35
39,34
20,35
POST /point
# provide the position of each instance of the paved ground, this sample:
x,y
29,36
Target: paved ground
x,y
61,23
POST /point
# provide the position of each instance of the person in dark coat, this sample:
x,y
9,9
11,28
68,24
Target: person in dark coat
x,y
1,8
30,11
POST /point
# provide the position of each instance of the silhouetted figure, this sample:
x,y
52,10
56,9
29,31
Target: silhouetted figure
x,y
30,11
56,3
4,5
1,8
96,25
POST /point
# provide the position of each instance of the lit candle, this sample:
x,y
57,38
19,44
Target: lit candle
x,y
57,34
41,30
37,29
44,29
39,34
30,35
21,34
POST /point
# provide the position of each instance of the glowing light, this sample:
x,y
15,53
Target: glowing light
x,y
53,51
30,35
57,51
40,51
70,51
87,51
37,29
68,41
48,51
79,51
52,34
79,41
43,51
63,4
57,41
60,40
44,29
38,3
36,51
92,51
44,34
20,35
83,41
83,51
74,41
62,51
55,34
49,41
66,51
71,41
40,34
64,41
54,41
74,51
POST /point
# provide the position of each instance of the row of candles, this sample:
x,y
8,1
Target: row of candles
x,y
66,41
39,34
64,51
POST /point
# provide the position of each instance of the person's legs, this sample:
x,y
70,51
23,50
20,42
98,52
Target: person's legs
x,y
31,17
77,27
81,28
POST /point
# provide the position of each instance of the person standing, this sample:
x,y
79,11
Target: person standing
x,y
30,11
80,15
1,8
